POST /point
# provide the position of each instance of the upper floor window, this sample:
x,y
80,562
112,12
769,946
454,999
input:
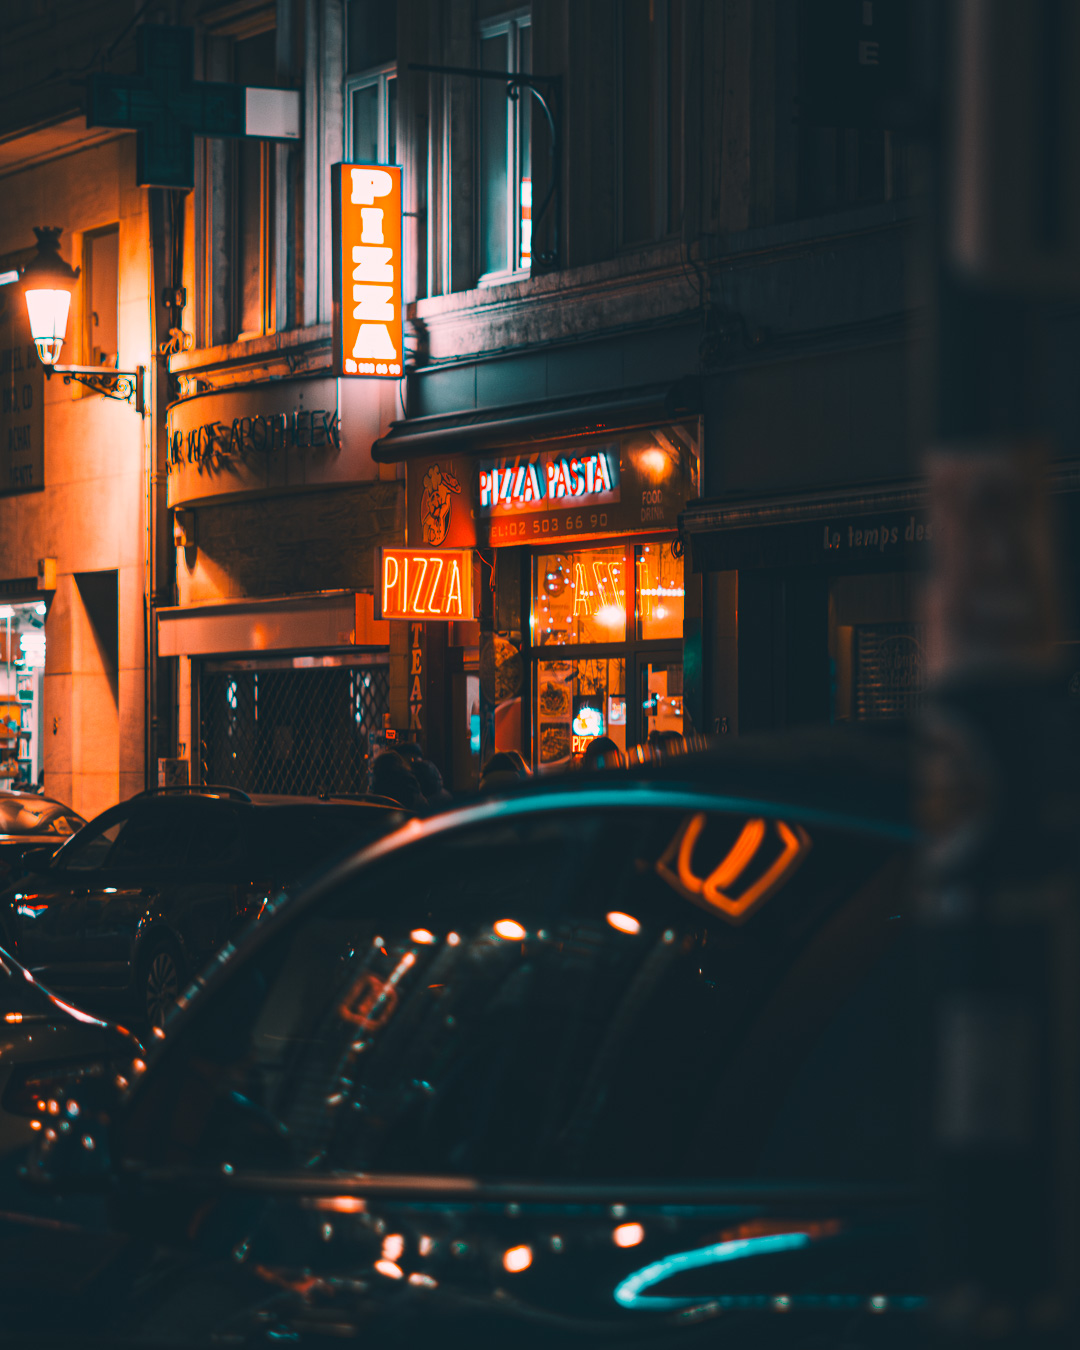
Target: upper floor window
x,y
505,162
240,204
650,94
371,116
101,294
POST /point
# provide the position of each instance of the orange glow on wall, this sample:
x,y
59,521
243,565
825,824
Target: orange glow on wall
x,y
425,584
368,332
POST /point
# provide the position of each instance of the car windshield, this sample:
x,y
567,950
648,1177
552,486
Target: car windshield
x,y
562,993
19,816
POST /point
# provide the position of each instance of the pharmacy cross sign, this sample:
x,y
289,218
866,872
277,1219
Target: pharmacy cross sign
x,y
167,107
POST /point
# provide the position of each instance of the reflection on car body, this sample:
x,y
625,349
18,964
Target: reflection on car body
x,y
503,1075
145,893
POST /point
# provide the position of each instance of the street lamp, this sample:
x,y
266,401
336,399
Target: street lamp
x,y
47,283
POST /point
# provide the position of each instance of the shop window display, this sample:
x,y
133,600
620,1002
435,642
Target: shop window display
x,y
660,592
576,701
580,597
22,663
626,640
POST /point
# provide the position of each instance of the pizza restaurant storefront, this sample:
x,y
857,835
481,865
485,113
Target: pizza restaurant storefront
x,y
581,586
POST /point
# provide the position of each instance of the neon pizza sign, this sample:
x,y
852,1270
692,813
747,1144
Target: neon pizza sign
x,y
426,584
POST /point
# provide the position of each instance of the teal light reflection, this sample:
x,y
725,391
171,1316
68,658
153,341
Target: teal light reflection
x,y
631,1292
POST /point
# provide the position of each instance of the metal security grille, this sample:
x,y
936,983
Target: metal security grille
x,y
889,670
297,731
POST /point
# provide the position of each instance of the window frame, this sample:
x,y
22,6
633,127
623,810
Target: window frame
x,y
379,76
518,116
666,198
634,649
90,239
220,310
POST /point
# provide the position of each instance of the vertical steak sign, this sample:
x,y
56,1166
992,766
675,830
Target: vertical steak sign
x,y
368,331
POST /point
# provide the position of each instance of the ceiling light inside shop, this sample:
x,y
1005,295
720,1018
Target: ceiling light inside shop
x,y
33,649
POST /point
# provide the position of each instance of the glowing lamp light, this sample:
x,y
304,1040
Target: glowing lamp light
x,y
610,616
628,1235
390,1269
512,931
625,923
48,284
517,1259
423,936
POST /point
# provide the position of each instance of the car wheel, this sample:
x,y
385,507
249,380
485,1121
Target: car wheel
x,y
160,982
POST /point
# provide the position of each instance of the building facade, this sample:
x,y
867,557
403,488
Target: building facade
x,y
78,566
661,320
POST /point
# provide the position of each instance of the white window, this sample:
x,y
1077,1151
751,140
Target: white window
x,y
505,177
371,116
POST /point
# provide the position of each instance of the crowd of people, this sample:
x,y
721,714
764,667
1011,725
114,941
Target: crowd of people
x,y
404,777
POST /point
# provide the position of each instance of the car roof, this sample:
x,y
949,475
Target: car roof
x,y
37,800
260,799
859,775
849,780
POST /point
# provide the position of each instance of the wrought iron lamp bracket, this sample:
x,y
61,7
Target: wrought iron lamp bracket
x,y
127,386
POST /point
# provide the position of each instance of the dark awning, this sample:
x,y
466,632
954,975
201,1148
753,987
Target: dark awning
x,y
877,526
708,515
543,420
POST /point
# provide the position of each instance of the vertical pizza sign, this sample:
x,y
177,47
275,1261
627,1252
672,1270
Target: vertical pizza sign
x,y
368,331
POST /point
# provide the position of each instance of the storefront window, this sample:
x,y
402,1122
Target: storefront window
x,y
579,597
576,701
22,664
661,698
660,592
626,679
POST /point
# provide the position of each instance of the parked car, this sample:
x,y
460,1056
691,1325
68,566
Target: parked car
x,y
32,822
144,894
47,1046
627,1056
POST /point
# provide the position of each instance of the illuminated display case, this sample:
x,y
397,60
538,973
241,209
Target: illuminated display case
x,y
616,612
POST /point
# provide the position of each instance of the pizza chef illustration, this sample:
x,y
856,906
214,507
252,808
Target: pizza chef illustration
x,y
435,504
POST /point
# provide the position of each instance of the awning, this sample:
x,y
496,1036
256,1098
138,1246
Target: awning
x,y
317,621
543,420
874,527
708,515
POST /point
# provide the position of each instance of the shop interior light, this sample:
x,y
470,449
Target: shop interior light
x,y
33,649
517,1259
625,923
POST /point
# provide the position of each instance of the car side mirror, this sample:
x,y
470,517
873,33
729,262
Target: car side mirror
x,y
38,859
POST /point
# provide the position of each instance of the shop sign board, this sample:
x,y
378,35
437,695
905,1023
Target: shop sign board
x,y
368,333
282,434
427,584
22,398
638,483
588,477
